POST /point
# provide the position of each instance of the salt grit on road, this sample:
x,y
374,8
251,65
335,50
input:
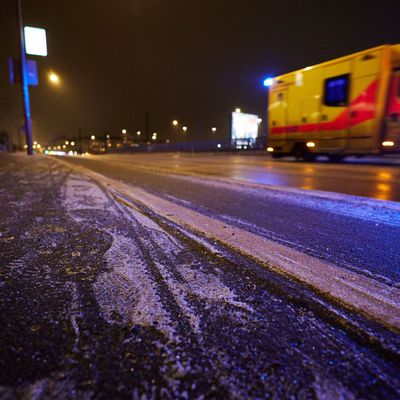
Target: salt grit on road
x,y
101,297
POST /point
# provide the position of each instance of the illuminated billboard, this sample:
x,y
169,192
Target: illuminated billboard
x,y
244,126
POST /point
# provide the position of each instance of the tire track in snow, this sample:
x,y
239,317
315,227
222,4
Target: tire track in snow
x,y
129,293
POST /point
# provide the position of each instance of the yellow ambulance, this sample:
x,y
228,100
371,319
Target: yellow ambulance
x,y
346,106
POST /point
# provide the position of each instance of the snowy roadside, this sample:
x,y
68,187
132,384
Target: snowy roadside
x,y
100,298
357,291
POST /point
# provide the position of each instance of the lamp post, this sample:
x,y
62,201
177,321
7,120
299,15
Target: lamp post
x,y
175,124
25,87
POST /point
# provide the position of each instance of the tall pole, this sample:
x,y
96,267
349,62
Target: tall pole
x,y
25,87
80,141
147,125
19,138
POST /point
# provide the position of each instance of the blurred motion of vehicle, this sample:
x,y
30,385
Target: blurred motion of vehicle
x,y
346,106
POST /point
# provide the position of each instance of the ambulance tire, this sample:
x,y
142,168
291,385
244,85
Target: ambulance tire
x,y
301,153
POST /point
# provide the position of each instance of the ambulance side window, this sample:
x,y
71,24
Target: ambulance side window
x,y
336,91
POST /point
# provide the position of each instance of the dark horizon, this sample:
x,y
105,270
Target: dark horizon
x,y
191,61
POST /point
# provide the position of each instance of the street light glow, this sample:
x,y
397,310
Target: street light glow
x,y
72,143
175,122
184,128
214,129
54,78
124,131
92,137
238,110
138,133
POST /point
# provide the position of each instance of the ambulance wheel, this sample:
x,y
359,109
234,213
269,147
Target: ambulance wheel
x,y
301,153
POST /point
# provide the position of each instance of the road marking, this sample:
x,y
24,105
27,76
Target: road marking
x,y
363,208
359,292
295,191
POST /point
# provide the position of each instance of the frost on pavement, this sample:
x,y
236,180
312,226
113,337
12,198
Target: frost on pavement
x,y
83,194
101,297
128,293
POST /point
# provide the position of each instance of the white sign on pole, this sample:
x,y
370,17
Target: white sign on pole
x,y
35,41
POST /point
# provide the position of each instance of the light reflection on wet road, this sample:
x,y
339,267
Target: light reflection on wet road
x,y
375,181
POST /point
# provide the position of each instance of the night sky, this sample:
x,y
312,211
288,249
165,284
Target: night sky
x,y
193,60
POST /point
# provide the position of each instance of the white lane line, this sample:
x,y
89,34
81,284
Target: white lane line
x,y
367,296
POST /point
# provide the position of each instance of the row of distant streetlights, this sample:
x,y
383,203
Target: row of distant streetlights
x,y
185,128
55,79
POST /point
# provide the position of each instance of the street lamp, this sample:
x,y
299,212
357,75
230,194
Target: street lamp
x,y
214,129
238,110
93,137
184,128
175,122
54,78
124,131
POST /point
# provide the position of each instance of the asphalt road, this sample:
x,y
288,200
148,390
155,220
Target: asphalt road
x,y
102,298
377,177
331,230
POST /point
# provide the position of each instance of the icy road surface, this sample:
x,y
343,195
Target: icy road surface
x,y
101,298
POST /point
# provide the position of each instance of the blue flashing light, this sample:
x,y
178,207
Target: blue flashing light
x,y
268,82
